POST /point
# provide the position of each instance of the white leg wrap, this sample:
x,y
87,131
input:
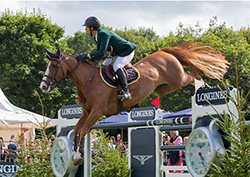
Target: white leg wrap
x,y
199,83
77,154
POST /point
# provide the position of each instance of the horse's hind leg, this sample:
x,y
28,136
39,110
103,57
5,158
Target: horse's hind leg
x,y
179,81
164,89
188,78
195,74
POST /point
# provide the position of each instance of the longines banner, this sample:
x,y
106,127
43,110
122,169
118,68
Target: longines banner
x,y
147,113
215,96
8,169
71,111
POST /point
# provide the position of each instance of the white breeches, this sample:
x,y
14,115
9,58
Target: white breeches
x,y
118,62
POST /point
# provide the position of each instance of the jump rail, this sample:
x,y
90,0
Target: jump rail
x,y
145,129
170,121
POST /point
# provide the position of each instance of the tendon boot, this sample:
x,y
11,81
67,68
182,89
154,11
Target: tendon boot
x,y
124,94
75,143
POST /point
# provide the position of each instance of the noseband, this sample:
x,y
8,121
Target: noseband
x,y
53,83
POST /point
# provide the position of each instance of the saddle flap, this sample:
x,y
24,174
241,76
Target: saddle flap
x,y
109,72
109,77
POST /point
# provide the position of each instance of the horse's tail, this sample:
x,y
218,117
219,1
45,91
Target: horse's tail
x,y
205,58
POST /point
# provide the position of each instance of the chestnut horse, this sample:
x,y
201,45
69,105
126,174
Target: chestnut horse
x,y
161,71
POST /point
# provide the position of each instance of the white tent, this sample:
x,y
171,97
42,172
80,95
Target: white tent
x,y
15,120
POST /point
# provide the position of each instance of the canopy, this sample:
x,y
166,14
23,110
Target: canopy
x,y
15,120
123,117
182,113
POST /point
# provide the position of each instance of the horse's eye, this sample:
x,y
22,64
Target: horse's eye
x,y
54,65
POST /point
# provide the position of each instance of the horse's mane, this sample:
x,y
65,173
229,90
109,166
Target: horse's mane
x,y
89,61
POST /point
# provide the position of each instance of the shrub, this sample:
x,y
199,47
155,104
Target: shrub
x,y
108,161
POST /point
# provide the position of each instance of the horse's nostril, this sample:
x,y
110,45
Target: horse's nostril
x,y
45,87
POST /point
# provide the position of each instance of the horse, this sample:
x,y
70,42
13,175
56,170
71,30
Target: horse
x,y
162,72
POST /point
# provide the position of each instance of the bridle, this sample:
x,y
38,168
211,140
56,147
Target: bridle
x,y
53,83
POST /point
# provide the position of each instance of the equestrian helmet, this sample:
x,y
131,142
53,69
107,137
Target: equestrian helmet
x,y
92,22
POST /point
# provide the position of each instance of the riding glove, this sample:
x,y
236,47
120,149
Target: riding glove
x,y
82,57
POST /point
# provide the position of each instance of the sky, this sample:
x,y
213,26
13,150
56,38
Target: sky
x,y
162,16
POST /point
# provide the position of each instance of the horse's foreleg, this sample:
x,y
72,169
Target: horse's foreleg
x,y
94,115
77,129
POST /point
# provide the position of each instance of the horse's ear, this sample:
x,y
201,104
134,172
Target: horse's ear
x,y
50,54
58,51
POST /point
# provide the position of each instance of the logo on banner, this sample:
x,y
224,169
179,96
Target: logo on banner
x,y
142,158
143,113
8,169
214,96
71,111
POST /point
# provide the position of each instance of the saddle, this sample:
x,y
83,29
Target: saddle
x,y
109,77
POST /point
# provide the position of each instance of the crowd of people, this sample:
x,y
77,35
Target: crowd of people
x,y
10,149
114,143
170,158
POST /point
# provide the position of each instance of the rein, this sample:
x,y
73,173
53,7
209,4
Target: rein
x,y
90,78
56,83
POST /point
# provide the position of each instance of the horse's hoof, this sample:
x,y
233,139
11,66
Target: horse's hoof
x,y
78,161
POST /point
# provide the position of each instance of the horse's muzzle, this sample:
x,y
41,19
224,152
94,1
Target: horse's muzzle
x,y
44,87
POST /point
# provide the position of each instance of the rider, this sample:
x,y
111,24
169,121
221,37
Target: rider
x,y
122,49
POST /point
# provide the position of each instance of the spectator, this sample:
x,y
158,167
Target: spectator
x,y
183,155
12,144
22,141
12,137
2,148
51,141
175,157
165,153
11,151
121,146
112,143
165,138
118,139
53,138
94,143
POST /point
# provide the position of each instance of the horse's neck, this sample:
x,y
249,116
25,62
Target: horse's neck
x,y
81,75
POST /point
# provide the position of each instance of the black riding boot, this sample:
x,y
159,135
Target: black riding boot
x,y
124,84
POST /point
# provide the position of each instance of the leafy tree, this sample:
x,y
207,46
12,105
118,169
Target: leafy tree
x,y
81,42
24,37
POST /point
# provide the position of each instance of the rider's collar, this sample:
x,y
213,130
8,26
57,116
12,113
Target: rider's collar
x,y
96,36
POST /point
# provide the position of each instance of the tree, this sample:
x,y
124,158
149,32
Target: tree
x,y
24,37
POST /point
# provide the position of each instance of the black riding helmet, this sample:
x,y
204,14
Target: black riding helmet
x,y
92,22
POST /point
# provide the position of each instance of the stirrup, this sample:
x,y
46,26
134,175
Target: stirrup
x,y
124,95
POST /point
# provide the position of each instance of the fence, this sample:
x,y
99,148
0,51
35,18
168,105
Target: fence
x,y
145,133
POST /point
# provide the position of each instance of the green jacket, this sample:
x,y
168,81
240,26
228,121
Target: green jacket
x,y
106,38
